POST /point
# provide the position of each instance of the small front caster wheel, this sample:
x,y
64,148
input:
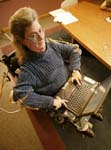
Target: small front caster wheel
x,y
60,119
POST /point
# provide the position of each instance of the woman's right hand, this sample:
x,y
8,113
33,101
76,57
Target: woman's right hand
x,y
58,102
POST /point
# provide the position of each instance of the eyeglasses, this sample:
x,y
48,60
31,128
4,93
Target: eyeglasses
x,y
35,36
32,37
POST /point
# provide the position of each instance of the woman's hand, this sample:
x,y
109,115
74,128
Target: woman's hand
x,y
58,102
76,76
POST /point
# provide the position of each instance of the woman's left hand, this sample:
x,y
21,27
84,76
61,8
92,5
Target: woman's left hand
x,y
76,77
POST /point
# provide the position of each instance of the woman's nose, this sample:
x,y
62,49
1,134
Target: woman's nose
x,y
40,35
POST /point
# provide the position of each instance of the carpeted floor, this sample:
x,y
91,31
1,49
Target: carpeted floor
x,y
16,130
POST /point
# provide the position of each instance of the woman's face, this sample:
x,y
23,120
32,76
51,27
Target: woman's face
x,y
34,38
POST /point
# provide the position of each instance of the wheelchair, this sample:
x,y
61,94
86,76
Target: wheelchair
x,y
92,107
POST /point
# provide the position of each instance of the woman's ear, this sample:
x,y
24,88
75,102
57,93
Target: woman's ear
x,y
23,41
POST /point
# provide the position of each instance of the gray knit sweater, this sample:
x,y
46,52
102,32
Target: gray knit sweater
x,y
42,75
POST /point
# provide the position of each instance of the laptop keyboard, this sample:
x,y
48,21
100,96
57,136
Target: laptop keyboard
x,y
79,98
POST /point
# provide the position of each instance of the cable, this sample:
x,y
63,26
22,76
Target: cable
x,y
10,112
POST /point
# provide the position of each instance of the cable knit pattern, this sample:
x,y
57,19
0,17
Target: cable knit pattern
x,y
42,75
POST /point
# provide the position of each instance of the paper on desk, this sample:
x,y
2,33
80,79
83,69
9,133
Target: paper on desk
x,y
63,16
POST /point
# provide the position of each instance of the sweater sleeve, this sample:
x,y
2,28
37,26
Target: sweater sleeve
x,y
25,87
70,53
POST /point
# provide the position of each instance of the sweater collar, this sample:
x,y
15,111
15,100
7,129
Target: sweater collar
x,y
31,54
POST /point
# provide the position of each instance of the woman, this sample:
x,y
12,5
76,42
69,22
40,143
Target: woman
x,y
43,70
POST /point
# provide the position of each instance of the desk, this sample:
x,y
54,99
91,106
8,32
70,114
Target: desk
x,y
92,31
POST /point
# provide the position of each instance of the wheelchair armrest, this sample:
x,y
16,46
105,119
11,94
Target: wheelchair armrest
x,y
11,62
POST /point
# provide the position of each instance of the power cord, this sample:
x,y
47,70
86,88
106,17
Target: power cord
x,y
10,112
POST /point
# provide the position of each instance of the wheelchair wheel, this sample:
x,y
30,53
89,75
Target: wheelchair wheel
x,y
60,119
